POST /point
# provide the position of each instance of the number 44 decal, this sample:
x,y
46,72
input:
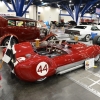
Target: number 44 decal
x,y
42,68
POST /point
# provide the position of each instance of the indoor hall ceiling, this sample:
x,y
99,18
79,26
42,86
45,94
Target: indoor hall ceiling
x,y
58,4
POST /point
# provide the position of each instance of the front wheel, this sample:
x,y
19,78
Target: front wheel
x,y
87,38
6,41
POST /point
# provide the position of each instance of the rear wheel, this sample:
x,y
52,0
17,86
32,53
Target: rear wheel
x,y
97,58
96,40
6,41
87,38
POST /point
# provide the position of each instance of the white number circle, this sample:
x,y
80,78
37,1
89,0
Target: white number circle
x,y
42,68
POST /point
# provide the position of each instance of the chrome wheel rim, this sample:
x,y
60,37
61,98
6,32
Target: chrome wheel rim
x,y
87,37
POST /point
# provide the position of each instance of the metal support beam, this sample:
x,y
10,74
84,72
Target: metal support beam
x,y
88,6
69,10
27,7
18,6
13,3
7,5
21,6
77,11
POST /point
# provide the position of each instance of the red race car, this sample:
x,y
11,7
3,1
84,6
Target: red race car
x,y
36,64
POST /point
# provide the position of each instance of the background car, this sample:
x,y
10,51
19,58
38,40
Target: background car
x,y
23,29
88,23
83,31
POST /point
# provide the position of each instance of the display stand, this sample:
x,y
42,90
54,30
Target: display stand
x,y
76,38
89,64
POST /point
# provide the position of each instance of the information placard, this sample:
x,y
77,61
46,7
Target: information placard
x,y
89,63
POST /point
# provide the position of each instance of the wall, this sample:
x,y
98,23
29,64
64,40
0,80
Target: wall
x,y
48,13
3,7
65,16
52,14
32,12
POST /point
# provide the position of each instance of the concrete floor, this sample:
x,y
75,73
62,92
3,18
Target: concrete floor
x,y
64,87
54,88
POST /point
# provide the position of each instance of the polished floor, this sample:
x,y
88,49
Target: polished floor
x,y
54,88
76,85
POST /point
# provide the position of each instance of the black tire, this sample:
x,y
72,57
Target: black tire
x,y
87,38
96,40
6,41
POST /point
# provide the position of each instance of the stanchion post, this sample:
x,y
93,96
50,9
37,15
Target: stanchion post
x,y
37,41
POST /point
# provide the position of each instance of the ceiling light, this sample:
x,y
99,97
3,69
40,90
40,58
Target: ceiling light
x,y
70,1
97,3
40,0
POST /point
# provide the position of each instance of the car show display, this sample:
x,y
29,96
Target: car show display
x,y
50,50
31,63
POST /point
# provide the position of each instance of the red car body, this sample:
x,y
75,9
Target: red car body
x,y
42,62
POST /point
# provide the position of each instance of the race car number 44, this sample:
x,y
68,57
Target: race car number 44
x,y
42,69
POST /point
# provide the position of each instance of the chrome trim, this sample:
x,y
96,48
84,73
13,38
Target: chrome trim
x,y
65,71
70,67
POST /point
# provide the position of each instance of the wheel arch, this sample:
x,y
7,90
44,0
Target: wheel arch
x,y
7,36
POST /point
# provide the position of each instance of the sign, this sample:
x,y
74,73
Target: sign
x,y
42,69
89,63
97,11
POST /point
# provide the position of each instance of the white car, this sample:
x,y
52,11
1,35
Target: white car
x,y
83,31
